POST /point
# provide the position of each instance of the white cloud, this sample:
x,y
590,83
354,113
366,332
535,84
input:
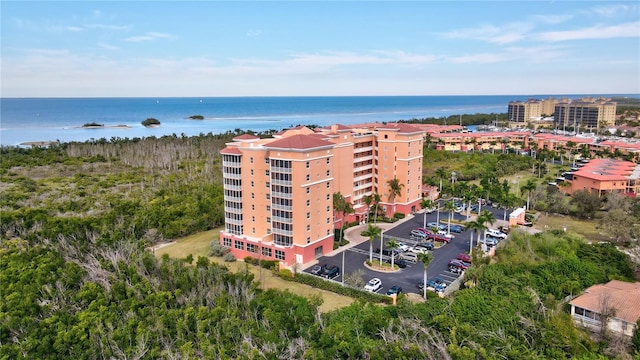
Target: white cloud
x,y
150,36
106,46
75,28
612,10
494,34
630,29
551,19
252,32
523,54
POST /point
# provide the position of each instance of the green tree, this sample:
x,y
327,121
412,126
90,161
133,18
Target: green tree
x,y
372,232
474,227
425,259
395,190
586,202
341,207
450,207
441,174
392,245
486,217
528,187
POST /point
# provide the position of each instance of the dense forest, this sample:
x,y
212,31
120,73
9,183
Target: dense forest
x,y
79,283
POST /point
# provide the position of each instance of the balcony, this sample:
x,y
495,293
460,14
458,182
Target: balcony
x,y
362,149
281,182
357,159
363,177
237,199
281,232
363,168
276,194
279,169
233,210
281,207
232,221
281,219
231,176
232,187
234,164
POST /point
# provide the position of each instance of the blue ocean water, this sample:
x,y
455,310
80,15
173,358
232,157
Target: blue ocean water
x,y
49,119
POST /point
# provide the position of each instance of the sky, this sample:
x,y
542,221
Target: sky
x,y
318,48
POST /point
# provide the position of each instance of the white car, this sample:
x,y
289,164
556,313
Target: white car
x,y
373,285
496,233
445,234
402,246
419,250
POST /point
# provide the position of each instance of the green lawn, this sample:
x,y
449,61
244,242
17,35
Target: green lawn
x,y
586,228
198,245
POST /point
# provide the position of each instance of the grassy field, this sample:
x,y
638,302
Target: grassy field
x,y
586,228
198,245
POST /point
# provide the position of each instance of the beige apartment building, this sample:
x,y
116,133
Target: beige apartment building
x,y
532,109
278,192
586,113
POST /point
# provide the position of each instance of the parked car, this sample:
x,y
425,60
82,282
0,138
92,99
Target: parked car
x,y
438,237
496,233
418,234
409,256
457,266
435,225
489,241
456,228
388,252
331,271
430,210
318,269
440,281
402,246
419,250
427,244
464,257
425,231
435,286
373,285
445,234
402,263
395,289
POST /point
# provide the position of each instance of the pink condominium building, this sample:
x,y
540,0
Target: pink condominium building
x,y
278,192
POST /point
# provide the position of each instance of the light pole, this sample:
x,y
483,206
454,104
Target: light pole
x,y
342,272
424,220
381,237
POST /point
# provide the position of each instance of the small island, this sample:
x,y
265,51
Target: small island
x,y
151,122
93,125
196,117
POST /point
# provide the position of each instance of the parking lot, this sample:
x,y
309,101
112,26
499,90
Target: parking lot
x,y
408,278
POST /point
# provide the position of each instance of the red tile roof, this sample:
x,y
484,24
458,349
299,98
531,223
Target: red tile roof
x,y
606,169
622,296
230,150
299,141
245,137
401,128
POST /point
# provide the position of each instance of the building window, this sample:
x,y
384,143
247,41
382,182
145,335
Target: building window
x,y
266,252
308,190
328,197
251,159
308,227
253,230
268,196
266,160
253,206
328,208
308,240
328,220
268,184
253,196
280,255
251,183
308,215
307,164
268,207
268,220
308,203
328,185
266,172
252,248
226,242
253,218
328,173
308,177
238,244
328,161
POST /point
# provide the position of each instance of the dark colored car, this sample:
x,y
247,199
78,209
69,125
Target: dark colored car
x,y
428,245
438,237
318,269
464,257
431,284
395,289
400,262
331,272
457,266
456,228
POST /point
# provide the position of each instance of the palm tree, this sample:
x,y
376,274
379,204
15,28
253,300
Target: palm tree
x,y
441,174
508,201
392,245
425,259
475,226
426,204
468,196
395,189
341,206
368,199
375,198
449,206
486,216
371,233
528,187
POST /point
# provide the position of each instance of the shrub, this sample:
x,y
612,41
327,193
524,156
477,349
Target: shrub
x,y
267,264
229,257
218,249
337,288
285,273
398,215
